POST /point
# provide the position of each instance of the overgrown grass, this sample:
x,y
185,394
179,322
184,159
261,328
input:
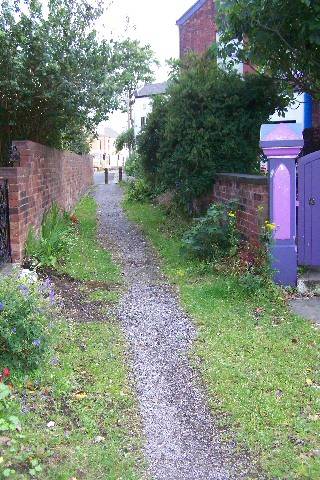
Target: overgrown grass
x,y
258,360
78,413
86,259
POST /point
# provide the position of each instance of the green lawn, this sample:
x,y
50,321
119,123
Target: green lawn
x,y
83,388
260,367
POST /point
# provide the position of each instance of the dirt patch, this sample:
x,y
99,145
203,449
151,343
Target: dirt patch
x,y
74,297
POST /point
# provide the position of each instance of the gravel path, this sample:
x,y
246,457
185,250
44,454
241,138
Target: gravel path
x,y
182,440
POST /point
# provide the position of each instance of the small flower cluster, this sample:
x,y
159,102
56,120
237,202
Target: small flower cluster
x,y
74,219
270,227
5,374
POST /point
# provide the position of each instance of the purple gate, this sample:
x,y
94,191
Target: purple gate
x,y
309,210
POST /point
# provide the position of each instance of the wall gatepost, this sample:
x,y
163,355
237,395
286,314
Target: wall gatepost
x,y
282,143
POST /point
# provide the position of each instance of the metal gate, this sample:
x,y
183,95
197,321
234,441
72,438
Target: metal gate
x,y
309,210
4,223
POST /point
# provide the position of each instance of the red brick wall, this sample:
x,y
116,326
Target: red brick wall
x,y
44,176
199,32
252,193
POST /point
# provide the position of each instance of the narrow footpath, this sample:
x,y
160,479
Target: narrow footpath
x,y
181,438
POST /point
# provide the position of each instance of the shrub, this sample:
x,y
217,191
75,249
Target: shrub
x,y
54,239
214,235
139,191
25,310
132,166
208,123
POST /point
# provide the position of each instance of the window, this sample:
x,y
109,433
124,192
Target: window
x,y
143,122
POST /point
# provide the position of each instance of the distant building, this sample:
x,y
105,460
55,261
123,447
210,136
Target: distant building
x,y
143,103
104,152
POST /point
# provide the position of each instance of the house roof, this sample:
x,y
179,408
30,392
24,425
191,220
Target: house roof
x,y
107,132
151,89
189,13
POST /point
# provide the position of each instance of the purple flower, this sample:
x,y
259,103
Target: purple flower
x,y
1,306
54,361
36,343
24,290
46,285
52,296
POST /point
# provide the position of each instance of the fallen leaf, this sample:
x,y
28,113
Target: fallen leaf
x,y
309,382
80,395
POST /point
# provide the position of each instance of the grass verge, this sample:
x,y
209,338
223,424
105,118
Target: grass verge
x,y
258,360
77,412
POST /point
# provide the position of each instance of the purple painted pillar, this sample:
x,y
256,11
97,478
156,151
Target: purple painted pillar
x,y
282,143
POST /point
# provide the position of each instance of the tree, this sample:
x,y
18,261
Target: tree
x,y
125,139
208,123
280,37
58,81
136,66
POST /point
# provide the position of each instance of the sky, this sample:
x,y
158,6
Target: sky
x,y
150,21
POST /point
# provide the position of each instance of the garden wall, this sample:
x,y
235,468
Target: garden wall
x,y
43,176
252,193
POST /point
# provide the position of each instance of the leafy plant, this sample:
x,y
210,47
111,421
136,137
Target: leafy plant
x,y
214,235
279,37
133,165
208,123
139,190
54,239
25,311
58,79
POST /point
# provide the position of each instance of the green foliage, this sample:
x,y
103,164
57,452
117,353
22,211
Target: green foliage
x,y
58,80
137,63
24,320
151,138
139,190
125,140
133,165
77,263
214,235
258,360
208,123
281,37
54,240
7,422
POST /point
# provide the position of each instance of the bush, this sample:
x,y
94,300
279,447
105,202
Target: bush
x,y
139,191
132,166
25,310
214,235
208,123
53,241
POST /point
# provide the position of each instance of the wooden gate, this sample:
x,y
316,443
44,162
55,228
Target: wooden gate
x,y
309,210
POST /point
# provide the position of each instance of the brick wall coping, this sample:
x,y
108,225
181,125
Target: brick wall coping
x,y
244,178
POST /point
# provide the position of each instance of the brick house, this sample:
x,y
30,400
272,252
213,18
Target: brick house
x,y
198,31
197,27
